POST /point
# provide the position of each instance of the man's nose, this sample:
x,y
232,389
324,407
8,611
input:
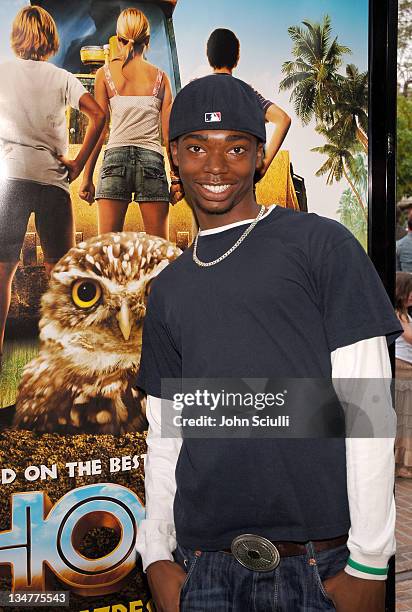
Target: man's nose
x,y
215,163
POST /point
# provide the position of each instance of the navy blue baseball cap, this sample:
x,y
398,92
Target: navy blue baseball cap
x,y
217,102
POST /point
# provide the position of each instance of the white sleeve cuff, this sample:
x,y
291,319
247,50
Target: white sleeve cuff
x,y
365,575
156,541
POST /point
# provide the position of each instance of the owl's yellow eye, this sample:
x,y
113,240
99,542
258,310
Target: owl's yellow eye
x,y
86,293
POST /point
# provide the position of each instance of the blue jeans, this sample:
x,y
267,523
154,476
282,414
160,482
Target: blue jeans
x,y
217,582
132,170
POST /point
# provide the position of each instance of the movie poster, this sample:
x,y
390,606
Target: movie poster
x,y
72,445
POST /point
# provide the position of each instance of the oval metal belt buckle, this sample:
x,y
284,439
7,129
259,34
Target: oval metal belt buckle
x,y
255,552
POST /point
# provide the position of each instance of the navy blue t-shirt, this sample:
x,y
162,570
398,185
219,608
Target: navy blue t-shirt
x,y
297,288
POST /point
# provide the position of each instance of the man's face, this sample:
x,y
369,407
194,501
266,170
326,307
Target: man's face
x,y
217,168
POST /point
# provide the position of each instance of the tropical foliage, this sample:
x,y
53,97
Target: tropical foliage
x,y
351,217
404,114
405,45
319,91
313,74
350,213
350,107
340,163
404,147
338,103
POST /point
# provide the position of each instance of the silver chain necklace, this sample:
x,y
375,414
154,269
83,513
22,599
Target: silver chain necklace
x,y
206,264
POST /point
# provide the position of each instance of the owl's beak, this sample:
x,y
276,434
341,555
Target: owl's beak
x,y
125,320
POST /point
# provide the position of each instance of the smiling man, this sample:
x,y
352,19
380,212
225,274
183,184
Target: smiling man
x,y
276,523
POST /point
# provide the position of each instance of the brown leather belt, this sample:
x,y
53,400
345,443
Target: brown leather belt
x,y
292,549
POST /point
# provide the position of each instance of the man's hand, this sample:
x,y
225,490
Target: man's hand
x,y
73,168
165,581
87,191
351,594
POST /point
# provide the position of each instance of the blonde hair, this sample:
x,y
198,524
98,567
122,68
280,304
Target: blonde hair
x,y
133,30
34,34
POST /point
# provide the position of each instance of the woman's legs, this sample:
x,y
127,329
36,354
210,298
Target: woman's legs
x,y
111,215
156,218
7,272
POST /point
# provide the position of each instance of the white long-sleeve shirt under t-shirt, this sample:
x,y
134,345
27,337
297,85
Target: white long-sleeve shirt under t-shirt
x,y
369,461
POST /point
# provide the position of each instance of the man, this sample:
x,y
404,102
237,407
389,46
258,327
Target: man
x,y
400,231
404,250
274,293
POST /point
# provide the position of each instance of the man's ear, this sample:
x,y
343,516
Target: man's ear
x,y
173,151
260,155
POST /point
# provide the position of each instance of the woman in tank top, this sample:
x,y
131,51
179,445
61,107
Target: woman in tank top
x,y
137,96
403,388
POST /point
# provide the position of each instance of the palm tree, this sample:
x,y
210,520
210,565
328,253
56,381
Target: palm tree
x,y
340,162
350,108
359,174
351,216
313,74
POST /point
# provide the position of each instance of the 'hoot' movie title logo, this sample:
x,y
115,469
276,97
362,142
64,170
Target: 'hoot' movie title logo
x,y
43,534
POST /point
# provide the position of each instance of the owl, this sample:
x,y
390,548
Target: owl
x,y
82,380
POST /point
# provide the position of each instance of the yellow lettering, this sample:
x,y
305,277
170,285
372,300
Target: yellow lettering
x,y
134,606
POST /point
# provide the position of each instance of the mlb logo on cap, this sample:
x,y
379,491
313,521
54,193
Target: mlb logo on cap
x,y
212,117
207,104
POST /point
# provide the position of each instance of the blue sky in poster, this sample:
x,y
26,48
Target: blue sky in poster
x,y
262,29
265,44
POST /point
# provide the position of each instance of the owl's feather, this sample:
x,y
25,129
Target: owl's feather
x,y
83,378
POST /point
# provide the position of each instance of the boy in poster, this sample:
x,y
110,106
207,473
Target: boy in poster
x,y
223,54
290,524
34,144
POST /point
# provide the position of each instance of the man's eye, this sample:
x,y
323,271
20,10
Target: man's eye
x,y
195,149
237,150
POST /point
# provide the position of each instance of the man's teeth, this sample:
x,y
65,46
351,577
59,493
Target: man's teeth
x,y
216,188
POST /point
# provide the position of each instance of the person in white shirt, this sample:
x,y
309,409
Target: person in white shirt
x,y
35,169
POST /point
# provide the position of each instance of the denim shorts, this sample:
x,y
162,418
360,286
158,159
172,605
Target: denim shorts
x,y
132,172
217,582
